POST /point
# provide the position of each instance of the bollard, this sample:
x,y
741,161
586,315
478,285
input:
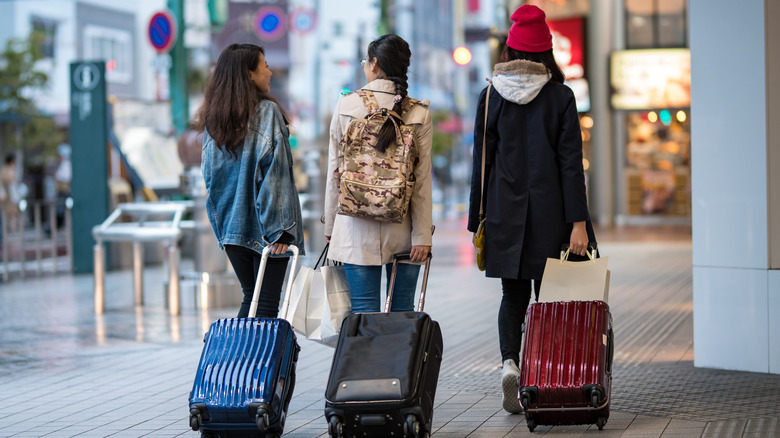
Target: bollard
x,y
69,232
100,279
22,249
138,273
5,244
173,279
37,227
53,232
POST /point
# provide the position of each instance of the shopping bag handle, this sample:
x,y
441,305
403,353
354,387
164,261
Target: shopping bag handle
x,y
565,256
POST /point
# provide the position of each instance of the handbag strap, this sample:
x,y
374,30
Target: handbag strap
x,y
484,146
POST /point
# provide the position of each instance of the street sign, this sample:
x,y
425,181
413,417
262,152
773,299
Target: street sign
x,y
270,23
162,31
303,20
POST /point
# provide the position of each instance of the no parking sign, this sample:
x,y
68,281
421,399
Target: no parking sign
x,y
162,31
270,23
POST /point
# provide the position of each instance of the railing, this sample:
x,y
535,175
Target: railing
x,y
18,239
141,230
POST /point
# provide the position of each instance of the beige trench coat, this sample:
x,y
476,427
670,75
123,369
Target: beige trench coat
x,y
367,242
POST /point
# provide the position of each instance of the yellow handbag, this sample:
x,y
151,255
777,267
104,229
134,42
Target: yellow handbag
x,y
479,236
479,245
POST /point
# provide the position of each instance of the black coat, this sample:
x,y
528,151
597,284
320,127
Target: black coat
x,y
535,185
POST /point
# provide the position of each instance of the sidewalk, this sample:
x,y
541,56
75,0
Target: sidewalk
x,y
66,372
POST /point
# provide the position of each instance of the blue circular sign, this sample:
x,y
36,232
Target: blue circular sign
x,y
303,20
162,31
269,23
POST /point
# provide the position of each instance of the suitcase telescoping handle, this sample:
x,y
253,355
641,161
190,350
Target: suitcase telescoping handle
x,y
405,258
261,272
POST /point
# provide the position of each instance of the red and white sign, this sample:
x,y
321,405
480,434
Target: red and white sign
x,y
162,31
568,46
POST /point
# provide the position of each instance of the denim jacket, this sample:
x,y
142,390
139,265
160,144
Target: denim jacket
x,y
252,198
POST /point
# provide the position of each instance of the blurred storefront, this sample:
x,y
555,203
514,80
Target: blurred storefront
x,y
650,86
635,114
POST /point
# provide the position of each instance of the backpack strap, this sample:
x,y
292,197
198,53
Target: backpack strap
x,y
369,100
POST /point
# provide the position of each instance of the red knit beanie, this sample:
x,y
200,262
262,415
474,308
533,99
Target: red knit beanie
x,y
529,32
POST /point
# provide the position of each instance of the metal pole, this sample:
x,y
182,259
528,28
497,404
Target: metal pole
x,y
99,268
53,228
69,232
173,278
138,273
22,249
37,225
5,244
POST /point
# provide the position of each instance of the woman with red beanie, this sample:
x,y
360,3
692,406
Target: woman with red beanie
x,y
534,187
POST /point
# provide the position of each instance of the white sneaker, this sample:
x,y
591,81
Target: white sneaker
x,y
509,376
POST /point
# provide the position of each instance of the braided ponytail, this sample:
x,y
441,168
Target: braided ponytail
x,y
393,55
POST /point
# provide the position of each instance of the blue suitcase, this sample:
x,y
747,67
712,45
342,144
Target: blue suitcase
x,y
246,374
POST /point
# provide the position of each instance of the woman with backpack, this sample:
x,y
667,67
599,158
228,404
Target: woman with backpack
x,y
247,166
534,195
364,244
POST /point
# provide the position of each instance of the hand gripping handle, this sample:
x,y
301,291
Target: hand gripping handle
x,y
261,273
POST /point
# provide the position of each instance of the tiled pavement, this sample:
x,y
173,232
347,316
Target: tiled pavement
x,y
65,372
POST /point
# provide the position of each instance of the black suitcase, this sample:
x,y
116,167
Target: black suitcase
x,y
246,373
385,369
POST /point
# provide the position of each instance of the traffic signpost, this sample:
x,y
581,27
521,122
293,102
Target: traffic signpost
x,y
270,23
162,31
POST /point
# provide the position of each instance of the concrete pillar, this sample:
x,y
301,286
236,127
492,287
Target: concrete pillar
x,y
601,173
735,119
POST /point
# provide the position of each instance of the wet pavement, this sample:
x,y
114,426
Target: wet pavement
x,y
66,372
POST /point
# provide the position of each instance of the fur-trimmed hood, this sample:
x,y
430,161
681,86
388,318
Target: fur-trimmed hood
x,y
520,81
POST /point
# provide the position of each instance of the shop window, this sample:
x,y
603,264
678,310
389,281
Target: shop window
x,y
655,23
115,47
45,31
658,162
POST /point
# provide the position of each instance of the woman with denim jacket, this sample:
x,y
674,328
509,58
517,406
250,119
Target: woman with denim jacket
x,y
247,166
365,245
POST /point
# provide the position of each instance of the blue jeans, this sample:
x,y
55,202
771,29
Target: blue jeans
x,y
365,281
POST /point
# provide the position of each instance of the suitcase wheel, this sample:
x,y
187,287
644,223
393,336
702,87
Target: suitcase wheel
x,y
531,424
413,428
600,422
335,427
263,418
195,419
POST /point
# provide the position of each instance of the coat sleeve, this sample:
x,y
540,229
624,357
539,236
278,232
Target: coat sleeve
x,y
331,182
277,200
572,175
421,206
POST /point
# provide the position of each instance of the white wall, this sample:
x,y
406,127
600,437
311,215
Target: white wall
x,y
733,312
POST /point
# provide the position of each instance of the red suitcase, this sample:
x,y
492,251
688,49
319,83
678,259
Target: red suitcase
x,y
566,364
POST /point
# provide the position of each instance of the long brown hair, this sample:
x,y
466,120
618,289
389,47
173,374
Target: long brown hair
x,y
392,54
231,98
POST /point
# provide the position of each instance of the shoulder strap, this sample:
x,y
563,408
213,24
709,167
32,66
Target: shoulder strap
x,y
484,146
369,100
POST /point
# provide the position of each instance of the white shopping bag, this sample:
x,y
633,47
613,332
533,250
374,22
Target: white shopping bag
x,y
565,280
320,301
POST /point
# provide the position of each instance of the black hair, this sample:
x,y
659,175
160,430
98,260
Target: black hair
x,y
393,56
547,58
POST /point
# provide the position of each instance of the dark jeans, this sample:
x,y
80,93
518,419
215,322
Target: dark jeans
x,y
511,316
246,263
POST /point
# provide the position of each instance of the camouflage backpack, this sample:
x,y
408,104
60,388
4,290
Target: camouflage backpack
x,y
375,185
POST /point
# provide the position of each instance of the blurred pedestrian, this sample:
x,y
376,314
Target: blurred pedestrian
x,y
247,166
9,195
365,245
534,195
